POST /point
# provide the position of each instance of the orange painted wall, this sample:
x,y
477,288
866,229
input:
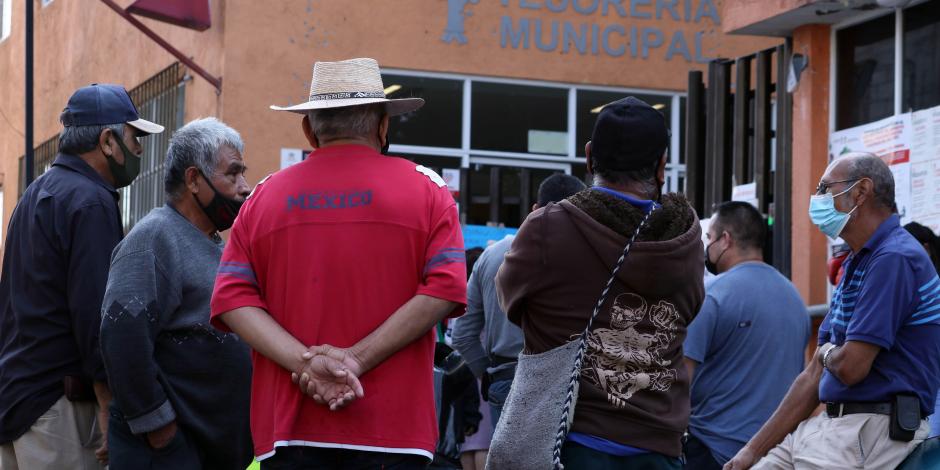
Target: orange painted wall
x,y
273,64
741,13
264,52
78,42
810,157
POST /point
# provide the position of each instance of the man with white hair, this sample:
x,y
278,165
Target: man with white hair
x,y
180,387
353,249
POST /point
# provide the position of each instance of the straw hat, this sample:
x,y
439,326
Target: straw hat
x,y
350,82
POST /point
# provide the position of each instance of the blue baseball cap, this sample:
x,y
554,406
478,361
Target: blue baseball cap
x,y
101,104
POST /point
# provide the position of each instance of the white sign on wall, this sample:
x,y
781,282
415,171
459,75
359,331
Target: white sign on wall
x,y
292,156
745,193
925,167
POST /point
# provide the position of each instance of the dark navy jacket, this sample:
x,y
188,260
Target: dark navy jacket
x,y
55,268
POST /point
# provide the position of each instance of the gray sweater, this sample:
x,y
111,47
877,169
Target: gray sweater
x,y
164,360
500,338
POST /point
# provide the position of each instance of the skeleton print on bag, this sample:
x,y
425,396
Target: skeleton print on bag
x,y
627,357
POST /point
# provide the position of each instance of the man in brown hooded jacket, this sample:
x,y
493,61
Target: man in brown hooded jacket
x,y
634,391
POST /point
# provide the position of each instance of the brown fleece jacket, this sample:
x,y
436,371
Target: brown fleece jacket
x,y
634,388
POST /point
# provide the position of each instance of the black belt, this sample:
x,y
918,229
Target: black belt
x,y
836,410
500,360
502,374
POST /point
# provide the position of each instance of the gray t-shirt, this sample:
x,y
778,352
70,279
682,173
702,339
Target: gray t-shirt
x,y
749,340
164,360
484,315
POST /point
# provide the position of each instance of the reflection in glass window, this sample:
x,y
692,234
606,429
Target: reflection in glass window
x,y
438,122
519,118
590,104
921,57
865,72
6,18
511,199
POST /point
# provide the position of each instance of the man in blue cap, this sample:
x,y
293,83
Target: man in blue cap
x,y
53,389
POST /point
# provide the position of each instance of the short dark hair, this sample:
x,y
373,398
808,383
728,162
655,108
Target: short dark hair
x,y
472,256
922,233
745,224
557,187
645,176
76,140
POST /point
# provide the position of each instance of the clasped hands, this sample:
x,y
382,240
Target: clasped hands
x,y
330,376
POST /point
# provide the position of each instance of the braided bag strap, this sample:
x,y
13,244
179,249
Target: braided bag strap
x,y
562,433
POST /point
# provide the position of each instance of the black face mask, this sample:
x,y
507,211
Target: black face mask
x,y
388,141
221,210
709,265
124,174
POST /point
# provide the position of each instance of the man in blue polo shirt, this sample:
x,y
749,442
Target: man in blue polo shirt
x,y
735,385
879,346
55,268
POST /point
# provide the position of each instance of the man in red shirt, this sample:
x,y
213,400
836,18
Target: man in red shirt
x,y
357,256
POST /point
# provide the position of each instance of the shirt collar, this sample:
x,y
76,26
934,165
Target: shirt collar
x,y
882,232
76,164
643,204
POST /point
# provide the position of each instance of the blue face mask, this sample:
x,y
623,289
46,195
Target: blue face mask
x,y
823,213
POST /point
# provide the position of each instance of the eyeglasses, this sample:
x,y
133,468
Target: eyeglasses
x,y
823,187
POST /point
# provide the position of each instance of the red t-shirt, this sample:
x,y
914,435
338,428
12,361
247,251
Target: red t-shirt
x,y
331,247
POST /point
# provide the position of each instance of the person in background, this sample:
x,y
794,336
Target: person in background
x,y
53,386
931,244
735,385
484,336
181,388
929,240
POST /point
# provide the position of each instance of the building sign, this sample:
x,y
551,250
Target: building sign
x,y
292,156
642,44
595,27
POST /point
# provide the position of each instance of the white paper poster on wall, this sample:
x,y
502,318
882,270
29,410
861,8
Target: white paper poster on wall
x,y
925,167
745,193
452,178
890,139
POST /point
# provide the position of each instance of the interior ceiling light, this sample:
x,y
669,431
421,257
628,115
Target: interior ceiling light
x,y
392,89
657,106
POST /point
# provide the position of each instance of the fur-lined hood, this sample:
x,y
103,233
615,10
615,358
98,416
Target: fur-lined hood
x,y
668,250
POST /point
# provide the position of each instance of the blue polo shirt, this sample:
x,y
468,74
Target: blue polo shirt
x,y
55,268
890,297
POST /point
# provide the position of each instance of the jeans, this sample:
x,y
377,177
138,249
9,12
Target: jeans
x,y
498,392
317,458
577,457
127,450
697,455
